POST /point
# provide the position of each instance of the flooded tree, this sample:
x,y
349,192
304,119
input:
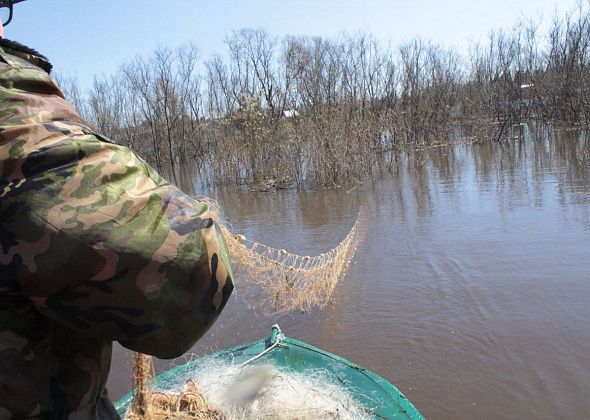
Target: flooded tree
x,y
312,111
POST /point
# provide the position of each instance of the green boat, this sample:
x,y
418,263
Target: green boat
x,y
378,397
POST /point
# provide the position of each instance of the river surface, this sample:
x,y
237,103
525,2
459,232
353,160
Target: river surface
x,y
470,291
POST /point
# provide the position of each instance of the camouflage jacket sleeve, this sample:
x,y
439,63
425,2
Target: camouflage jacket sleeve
x,y
92,235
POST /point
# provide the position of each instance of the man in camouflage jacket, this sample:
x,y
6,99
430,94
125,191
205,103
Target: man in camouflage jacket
x,y
95,247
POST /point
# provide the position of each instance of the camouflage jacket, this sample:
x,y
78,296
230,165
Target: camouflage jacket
x,y
95,247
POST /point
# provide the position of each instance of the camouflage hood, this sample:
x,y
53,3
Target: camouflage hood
x,y
95,247
32,56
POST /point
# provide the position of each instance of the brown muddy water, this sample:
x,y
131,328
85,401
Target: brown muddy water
x,y
471,291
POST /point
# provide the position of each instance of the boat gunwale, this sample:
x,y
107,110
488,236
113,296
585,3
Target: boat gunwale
x,y
383,383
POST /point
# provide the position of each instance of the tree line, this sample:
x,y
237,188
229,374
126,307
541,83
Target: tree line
x,y
309,111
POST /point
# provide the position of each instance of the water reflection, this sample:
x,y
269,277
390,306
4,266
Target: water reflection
x,y
543,168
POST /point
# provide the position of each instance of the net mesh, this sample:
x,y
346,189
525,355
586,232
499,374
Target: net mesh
x,y
286,282
227,390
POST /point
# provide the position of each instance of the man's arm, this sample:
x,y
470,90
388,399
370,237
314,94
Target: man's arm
x,y
95,237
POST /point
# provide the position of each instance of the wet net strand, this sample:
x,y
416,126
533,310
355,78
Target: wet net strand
x,y
287,281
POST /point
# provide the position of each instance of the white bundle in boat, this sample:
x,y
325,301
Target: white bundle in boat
x,y
229,391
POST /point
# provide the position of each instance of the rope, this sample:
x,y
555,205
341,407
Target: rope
x,y
276,343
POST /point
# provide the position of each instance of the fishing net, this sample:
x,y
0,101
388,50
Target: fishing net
x,y
230,391
286,282
152,404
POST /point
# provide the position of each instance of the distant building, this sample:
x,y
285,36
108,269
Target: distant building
x,y
290,113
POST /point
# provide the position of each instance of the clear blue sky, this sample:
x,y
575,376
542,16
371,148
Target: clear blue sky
x,y
87,37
